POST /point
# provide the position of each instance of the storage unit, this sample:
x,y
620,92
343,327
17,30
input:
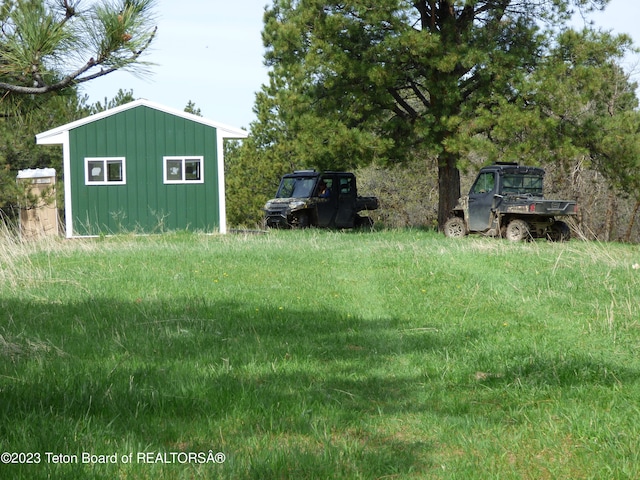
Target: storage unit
x,y
38,207
142,167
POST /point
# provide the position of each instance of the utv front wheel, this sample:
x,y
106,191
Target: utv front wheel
x,y
517,230
455,228
301,220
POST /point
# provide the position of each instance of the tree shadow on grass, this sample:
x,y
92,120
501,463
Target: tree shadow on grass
x,y
195,374
561,370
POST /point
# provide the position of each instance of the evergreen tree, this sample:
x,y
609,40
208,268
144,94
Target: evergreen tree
x,y
122,97
50,46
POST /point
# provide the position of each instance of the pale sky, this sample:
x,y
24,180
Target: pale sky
x,y
211,52
206,51
621,16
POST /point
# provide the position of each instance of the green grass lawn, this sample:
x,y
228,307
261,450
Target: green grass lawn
x,y
313,354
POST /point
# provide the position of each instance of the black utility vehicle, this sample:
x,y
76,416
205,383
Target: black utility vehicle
x,y
308,198
506,200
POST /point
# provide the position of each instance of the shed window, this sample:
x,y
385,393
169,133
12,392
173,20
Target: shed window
x,y
105,171
183,170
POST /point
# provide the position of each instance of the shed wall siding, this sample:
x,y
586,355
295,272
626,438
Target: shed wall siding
x,y
145,204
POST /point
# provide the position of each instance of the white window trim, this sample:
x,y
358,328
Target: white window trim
x,y
104,161
183,159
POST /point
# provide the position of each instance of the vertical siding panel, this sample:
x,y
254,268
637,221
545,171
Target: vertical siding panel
x,y
200,136
212,200
147,134
105,206
170,192
125,203
156,144
189,206
135,187
201,202
148,195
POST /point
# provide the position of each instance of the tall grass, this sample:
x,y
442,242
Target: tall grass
x,y
396,354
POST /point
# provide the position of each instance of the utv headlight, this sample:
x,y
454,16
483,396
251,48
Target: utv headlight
x,y
293,206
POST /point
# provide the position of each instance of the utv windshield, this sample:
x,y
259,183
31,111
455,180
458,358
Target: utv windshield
x,y
296,187
522,184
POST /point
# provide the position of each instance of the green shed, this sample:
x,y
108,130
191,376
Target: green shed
x,y
142,167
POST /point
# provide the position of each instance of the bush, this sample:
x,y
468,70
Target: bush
x,y
408,193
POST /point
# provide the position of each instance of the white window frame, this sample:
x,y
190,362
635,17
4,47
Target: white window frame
x,y
105,161
183,161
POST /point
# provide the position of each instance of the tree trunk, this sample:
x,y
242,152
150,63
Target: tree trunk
x,y
576,190
448,187
627,236
609,221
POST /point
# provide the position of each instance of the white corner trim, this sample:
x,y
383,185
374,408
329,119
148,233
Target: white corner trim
x,y
66,178
222,209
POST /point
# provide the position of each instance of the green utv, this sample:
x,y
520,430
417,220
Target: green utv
x,y
506,200
307,198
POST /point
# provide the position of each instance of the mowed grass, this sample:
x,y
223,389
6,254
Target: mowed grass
x,y
316,354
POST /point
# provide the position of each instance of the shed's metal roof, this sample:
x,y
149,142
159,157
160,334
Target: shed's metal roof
x,y
54,136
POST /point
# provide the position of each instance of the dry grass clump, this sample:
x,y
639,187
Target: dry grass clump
x,y
15,348
16,267
12,253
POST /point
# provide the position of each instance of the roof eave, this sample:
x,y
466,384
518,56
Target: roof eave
x,y
50,139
